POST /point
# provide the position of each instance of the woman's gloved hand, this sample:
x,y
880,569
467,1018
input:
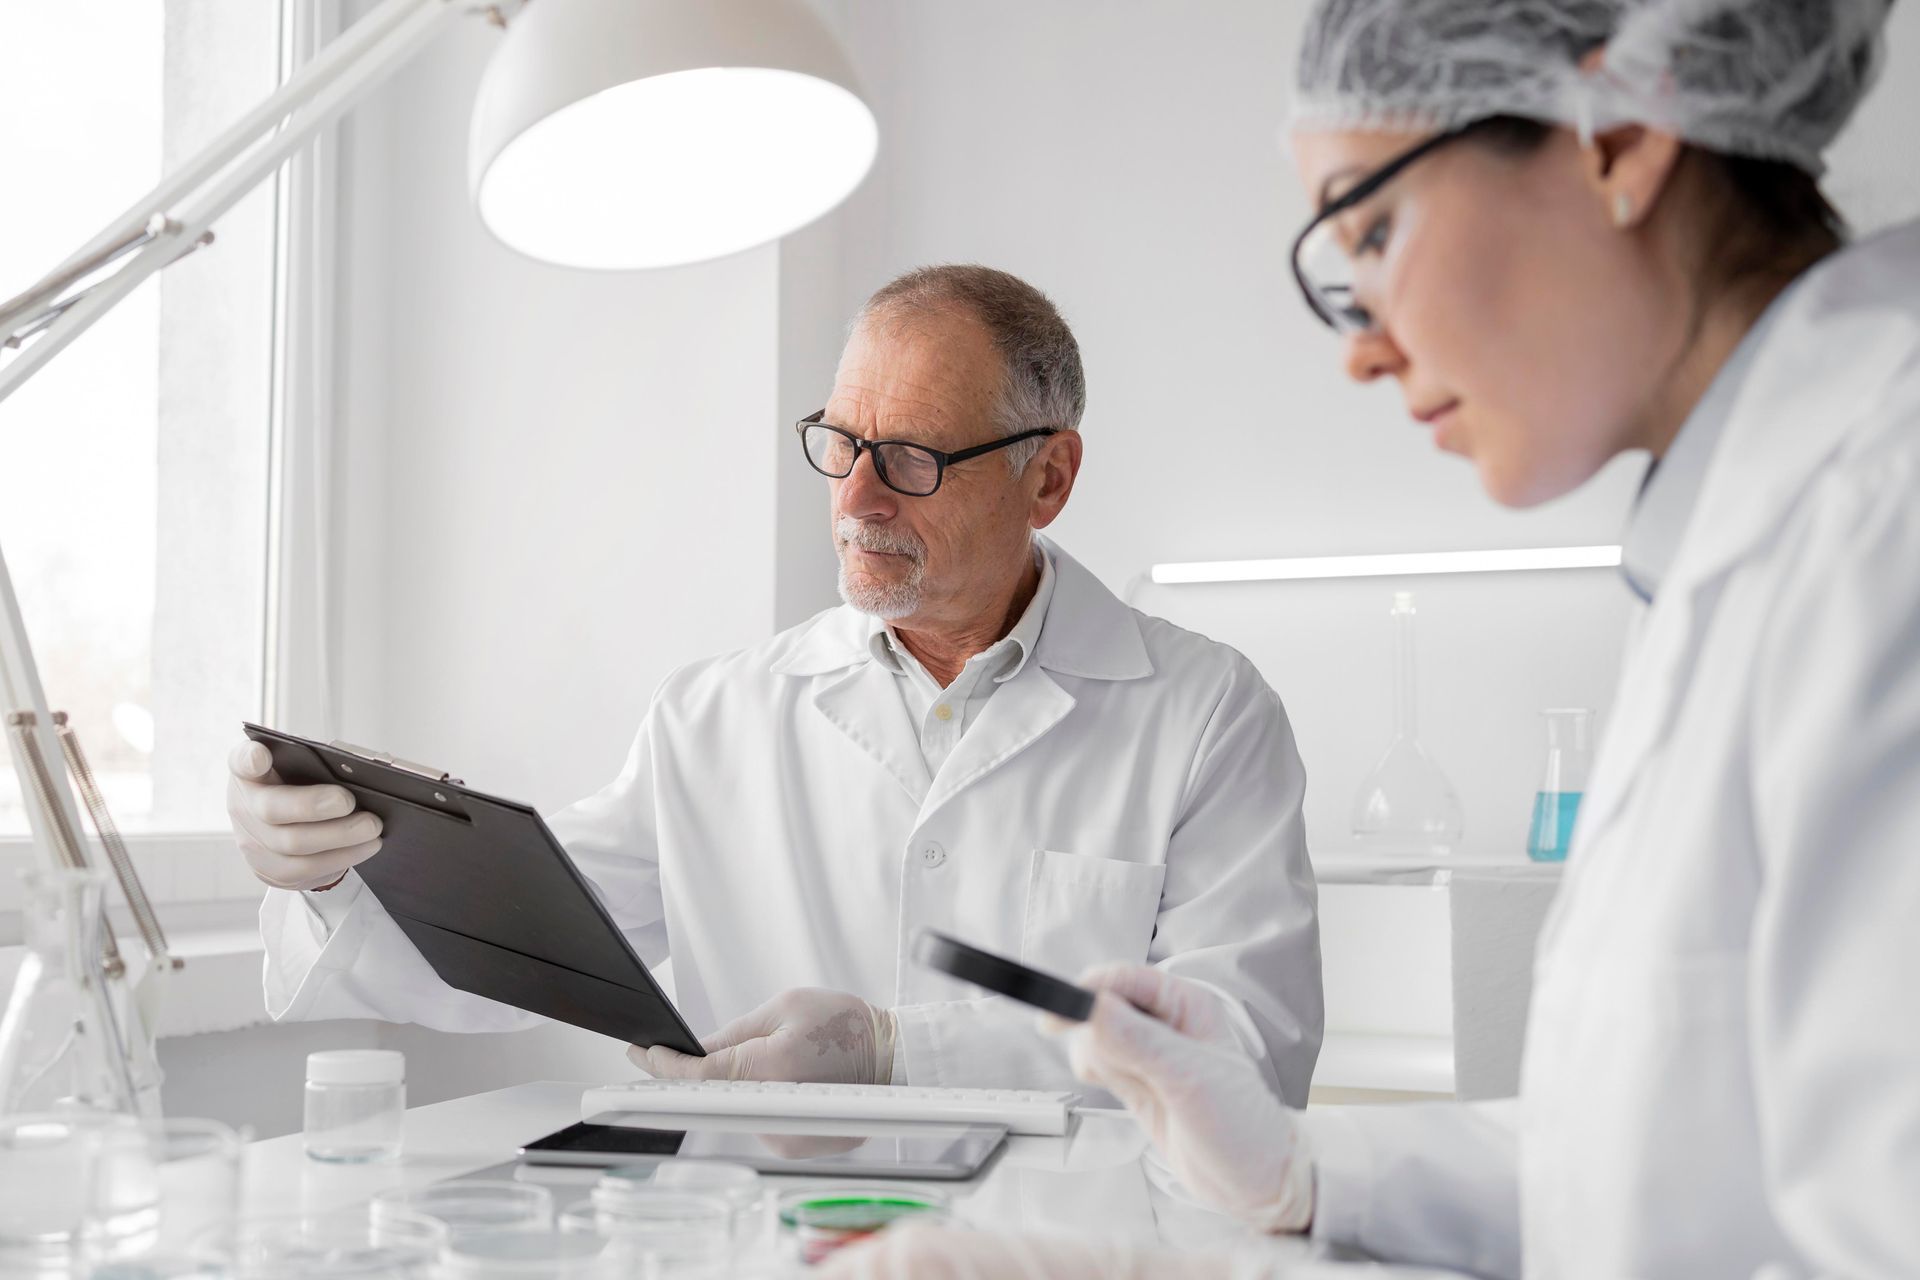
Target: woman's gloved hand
x,y
803,1034
1163,1046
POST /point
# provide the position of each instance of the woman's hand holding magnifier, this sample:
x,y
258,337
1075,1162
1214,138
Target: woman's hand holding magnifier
x,y
1162,1045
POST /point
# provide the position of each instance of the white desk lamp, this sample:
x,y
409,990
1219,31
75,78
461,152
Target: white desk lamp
x,y
606,134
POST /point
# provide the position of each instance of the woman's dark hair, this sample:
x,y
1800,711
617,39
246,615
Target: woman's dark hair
x,y
1769,212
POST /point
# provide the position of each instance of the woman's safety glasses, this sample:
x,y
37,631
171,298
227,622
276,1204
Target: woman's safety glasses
x,y
1336,260
903,466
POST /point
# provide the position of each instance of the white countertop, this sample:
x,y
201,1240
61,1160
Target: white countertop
x,y
1352,867
1093,1183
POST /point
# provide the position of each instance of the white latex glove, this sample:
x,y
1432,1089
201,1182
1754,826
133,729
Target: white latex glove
x,y
1162,1045
944,1253
802,1034
294,837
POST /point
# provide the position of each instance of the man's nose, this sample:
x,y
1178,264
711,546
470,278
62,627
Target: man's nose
x,y
862,494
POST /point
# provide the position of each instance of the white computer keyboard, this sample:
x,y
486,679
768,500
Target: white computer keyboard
x,y
1021,1110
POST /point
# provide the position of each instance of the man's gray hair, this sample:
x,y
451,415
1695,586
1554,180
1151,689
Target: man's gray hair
x,y
1042,385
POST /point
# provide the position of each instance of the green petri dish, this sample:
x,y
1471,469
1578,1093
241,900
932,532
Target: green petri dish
x,y
822,1221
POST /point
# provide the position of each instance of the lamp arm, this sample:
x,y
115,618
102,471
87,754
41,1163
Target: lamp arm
x,y
177,216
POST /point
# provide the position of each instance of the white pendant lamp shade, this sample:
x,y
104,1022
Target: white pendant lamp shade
x,y
649,133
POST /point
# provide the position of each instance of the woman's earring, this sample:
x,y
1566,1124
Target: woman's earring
x,y
1622,210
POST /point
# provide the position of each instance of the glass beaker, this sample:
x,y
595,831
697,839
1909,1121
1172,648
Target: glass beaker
x,y
1556,806
59,1042
56,1191
1406,805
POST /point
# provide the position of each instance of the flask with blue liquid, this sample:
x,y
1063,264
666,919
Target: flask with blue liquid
x,y
1556,806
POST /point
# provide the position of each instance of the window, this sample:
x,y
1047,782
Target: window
x,y
137,516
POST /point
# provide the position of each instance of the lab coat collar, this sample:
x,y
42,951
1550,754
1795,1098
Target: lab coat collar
x,y
1835,343
1011,653
1088,632
1671,492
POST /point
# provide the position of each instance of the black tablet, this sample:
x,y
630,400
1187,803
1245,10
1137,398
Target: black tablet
x,y
489,897
1007,977
907,1150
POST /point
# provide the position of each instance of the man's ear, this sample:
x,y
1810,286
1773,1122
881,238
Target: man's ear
x,y
1057,465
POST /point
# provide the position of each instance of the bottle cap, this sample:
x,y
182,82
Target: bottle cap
x,y
357,1066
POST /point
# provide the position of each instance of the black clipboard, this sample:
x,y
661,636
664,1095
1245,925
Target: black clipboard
x,y
489,897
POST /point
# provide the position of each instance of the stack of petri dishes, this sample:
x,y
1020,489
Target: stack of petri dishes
x,y
348,1245
470,1207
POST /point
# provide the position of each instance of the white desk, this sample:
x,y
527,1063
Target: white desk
x,y
1093,1182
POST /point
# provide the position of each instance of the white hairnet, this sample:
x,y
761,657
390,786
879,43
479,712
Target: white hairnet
x,y
1775,79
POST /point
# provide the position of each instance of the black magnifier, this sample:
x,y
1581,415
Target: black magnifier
x,y
1005,977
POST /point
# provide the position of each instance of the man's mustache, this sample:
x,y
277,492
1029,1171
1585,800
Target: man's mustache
x,y
874,537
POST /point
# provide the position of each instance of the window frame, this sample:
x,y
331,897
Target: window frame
x,y
185,872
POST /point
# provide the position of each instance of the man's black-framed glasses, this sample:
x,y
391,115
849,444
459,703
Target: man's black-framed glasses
x,y
903,466
1328,267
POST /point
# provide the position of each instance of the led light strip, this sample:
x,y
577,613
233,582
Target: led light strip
x,y
1389,566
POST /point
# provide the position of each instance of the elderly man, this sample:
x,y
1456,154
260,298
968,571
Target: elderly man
x,y
983,740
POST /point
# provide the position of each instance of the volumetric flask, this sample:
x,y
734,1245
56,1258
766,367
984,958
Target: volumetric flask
x,y
1563,783
1406,805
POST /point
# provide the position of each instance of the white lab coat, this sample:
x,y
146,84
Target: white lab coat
x,y
1722,1068
1133,794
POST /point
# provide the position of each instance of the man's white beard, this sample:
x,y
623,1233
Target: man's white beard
x,y
886,600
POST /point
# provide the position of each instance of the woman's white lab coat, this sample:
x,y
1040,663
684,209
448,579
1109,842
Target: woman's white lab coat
x,y
1722,1067
1131,794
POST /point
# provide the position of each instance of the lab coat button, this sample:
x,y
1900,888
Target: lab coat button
x,y
943,711
932,855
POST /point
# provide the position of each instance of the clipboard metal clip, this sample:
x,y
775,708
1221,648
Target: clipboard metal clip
x,y
392,761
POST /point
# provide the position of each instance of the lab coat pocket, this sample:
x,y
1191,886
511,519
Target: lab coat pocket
x,y
1084,911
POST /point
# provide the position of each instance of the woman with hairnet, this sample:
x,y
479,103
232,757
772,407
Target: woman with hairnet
x,y
1569,229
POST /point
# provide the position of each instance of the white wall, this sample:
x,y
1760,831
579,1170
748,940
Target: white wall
x,y
561,458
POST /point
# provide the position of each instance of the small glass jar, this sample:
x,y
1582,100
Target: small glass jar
x,y
356,1104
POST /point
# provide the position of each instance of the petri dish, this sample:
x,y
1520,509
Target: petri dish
x,y
655,1228
340,1246
473,1206
522,1255
820,1221
736,1184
